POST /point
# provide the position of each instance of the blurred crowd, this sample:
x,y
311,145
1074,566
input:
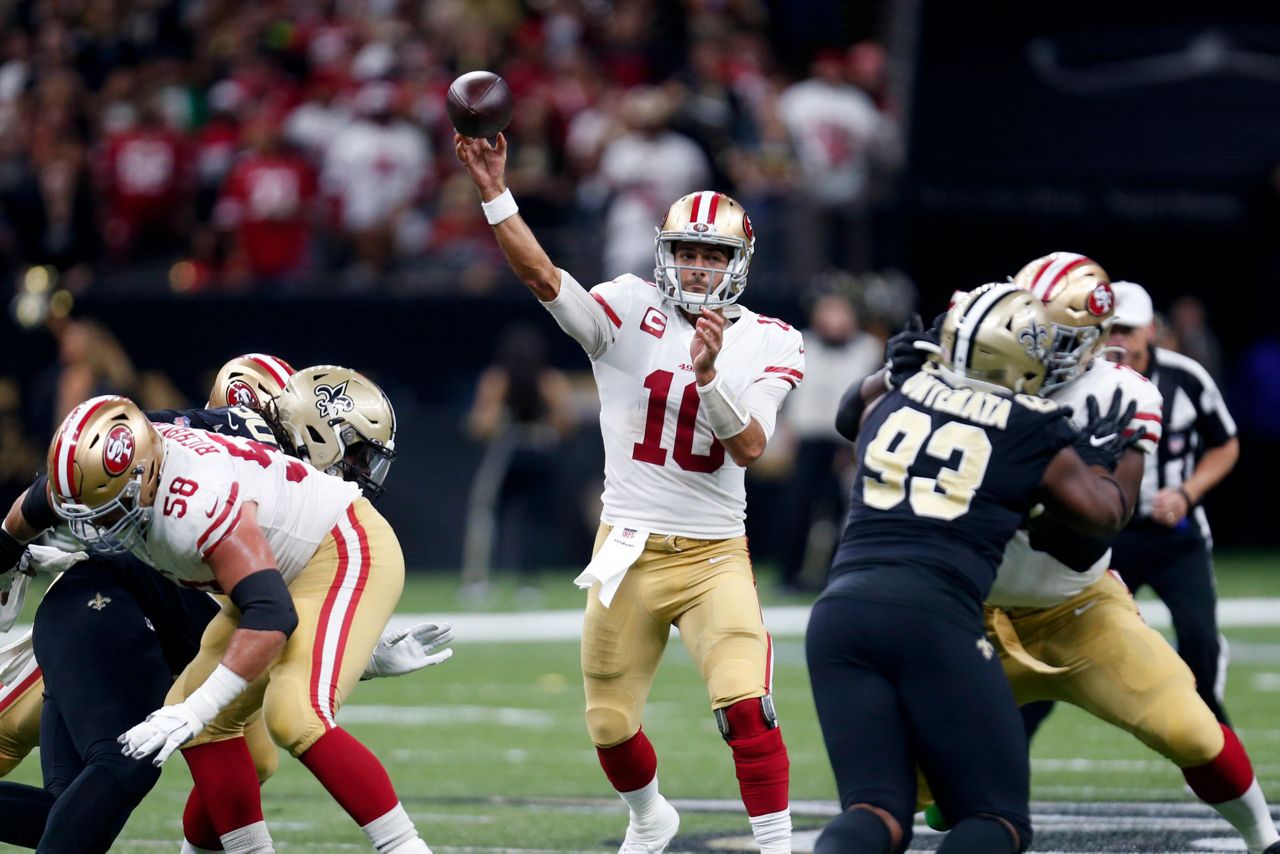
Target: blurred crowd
x,y
214,145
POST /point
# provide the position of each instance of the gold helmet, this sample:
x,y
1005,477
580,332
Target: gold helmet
x,y
996,338
704,217
1077,296
104,466
251,380
341,423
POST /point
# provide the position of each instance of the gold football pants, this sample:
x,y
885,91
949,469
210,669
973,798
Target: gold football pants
x,y
344,597
21,703
1104,658
703,587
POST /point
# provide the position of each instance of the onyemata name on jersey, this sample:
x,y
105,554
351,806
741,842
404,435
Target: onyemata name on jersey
x,y
205,481
954,470
664,470
1033,578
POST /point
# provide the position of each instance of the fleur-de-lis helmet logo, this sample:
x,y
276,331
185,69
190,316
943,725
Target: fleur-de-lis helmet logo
x,y
332,401
1035,338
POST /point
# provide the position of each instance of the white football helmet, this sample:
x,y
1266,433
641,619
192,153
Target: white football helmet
x,y
1077,296
104,468
704,217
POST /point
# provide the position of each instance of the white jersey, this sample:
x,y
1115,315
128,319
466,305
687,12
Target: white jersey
x,y
664,471
205,481
1033,579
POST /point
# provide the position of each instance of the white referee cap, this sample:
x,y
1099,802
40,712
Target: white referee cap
x,y
1133,305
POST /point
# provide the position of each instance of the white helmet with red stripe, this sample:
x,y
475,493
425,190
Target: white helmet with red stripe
x,y
104,466
1077,296
704,217
251,380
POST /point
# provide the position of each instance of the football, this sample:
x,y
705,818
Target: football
x,y
479,104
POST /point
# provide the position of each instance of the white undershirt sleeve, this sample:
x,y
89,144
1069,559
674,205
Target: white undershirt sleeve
x,y
762,399
581,316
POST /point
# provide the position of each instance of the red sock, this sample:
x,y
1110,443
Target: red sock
x,y
197,827
352,774
631,765
1224,778
228,784
759,757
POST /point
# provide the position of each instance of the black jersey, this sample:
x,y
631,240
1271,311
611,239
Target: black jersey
x,y
945,476
228,420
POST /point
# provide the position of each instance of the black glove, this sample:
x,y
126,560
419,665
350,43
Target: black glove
x,y
10,551
906,352
1103,441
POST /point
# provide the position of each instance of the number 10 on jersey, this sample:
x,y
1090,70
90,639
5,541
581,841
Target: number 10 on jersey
x,y
650,450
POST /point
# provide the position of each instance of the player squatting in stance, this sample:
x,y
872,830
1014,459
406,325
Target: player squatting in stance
x,y
312,572
111,634
690,383
902,673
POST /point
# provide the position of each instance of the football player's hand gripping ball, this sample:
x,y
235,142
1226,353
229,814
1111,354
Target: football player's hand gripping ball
x,y
410,649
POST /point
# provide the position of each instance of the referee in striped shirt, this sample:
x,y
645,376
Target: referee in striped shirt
x,y
1168,544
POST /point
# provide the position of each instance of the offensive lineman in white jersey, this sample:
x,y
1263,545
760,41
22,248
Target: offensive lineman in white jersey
x,y
1065,627
312,572
690,384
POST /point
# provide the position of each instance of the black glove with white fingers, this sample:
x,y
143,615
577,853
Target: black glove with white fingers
x,y
906,352
1103,440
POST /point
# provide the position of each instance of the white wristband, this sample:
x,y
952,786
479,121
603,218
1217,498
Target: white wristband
x,y
217,692
726,415
502,208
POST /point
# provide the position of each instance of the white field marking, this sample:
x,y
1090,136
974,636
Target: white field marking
x,y
437,715
1268,682
782,621
464,818
1086,765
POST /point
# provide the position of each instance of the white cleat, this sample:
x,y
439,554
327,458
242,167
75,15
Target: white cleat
x,y
653,836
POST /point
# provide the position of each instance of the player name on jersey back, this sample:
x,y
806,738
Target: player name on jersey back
x,y
980,407
205,481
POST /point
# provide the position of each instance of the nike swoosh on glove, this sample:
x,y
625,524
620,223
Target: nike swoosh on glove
x,y
410,649
165,730
1103,440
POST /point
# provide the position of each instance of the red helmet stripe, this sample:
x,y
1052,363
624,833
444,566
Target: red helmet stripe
x,y
1051,274
711,212
697,202
279,369
64,452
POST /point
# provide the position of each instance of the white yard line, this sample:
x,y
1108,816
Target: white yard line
x,y
782,621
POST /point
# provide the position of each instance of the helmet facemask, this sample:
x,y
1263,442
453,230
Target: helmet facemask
x,y
362,461
732,279
1073,348
90,525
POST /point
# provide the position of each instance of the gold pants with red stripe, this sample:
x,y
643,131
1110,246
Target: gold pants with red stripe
x,y
344,597
703,587
20,706
1115,667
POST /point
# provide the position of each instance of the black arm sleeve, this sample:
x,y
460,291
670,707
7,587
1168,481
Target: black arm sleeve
x,y
264,602
852,405
37,509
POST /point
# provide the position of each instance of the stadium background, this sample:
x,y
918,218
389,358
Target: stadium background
x,y
1148,138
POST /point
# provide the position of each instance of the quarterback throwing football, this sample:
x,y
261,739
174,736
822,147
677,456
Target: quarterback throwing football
x,y
690,383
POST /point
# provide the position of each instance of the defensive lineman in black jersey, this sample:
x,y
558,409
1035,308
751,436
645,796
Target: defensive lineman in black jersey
x,y
901,670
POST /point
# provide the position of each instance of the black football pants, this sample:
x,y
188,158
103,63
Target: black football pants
x,y
898,686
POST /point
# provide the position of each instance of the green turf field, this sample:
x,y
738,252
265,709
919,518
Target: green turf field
x,y
489,751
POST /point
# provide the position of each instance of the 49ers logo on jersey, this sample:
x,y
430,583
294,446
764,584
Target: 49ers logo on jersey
x,y
332,401
117,450
240,393
1101,301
